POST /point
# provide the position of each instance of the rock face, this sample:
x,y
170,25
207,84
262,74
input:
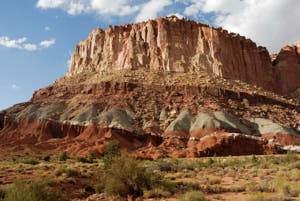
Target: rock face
x,y
174,45
287,69
156,87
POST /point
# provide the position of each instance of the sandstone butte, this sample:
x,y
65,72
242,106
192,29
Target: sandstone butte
x,y
165,87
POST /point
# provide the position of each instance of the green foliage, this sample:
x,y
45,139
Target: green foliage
x,y
210,162
92,156
2,193
254,159
31,161
34,191
69,172
193,196
126,176
83,160
47,158
63,156
112,150
113,147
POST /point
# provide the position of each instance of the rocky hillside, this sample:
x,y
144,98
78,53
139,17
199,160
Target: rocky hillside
x,y
166,87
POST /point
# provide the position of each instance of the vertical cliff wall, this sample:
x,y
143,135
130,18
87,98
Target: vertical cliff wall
x,y
171,44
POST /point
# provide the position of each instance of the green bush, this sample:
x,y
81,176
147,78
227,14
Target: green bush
x,y
63,156
47,158
69,172
112,150
82,160
92,156
193,196
34,191
2,193
31,161
125,176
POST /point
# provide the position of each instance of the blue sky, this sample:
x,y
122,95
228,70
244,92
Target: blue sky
x,y
38,36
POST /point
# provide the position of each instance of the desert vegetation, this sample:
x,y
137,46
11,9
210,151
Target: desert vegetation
x,y
117,176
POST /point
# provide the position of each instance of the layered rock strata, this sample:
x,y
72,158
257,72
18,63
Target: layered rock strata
x,y
174,45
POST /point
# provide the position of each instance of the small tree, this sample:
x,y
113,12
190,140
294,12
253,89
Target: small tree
x,y
125,177
92,156
112,150
63,156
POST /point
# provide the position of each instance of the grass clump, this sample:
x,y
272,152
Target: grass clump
x,y
69,172
193,196
34,191
31,161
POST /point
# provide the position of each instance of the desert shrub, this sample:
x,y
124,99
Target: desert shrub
x,y
187,186
210,162
167,166
31,161
2,193
112,150
69,172
63,156
47,158
254,159
83,160
157,193
258,197
213,180
215,189
290,157
92,156
193,196
34,191
126,176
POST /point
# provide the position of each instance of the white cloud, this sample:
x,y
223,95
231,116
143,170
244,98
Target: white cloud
x,y
151,9
101,7
47,28
177,15
30,47
116,7
20,43
6,42
47,43
14,86
271,23
44,4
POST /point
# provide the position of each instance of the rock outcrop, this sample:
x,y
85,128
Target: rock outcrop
x,y
174,45
159,88
287,69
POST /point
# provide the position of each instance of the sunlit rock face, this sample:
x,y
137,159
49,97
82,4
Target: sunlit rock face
x,y
171,44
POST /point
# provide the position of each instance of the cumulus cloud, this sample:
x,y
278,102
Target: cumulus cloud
x,y
6,42
151,9
47,43
271,23
20,43
47,28
101,7
44,4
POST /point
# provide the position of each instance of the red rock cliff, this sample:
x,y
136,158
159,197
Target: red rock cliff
x,y
171,44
